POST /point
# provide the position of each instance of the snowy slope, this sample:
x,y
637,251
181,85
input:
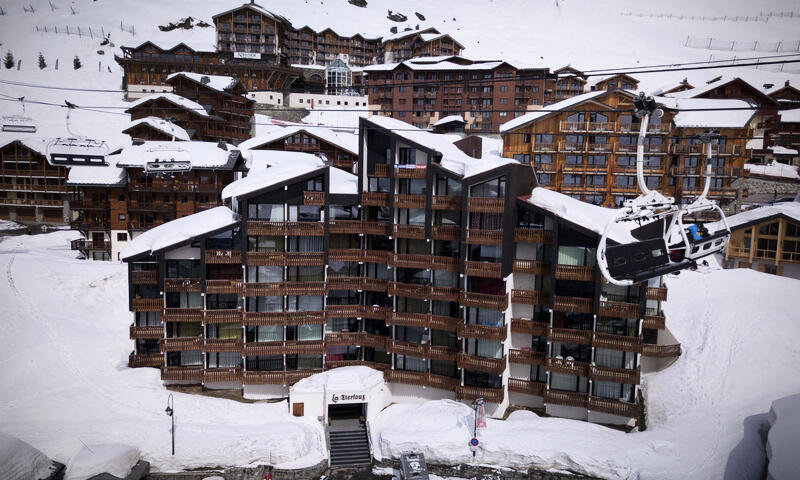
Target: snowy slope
x,y
66,381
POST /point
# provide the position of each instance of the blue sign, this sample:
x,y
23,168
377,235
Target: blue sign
x,y
473,442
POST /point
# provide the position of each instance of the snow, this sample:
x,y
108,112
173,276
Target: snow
x,y
20,461
345,141
278,172
448,119
9,225
66,381
96,175
338,380
698,115
116,459
163,126
774,169
340,119
176,100
788,209
790,116
783,438
219,83
563,104
207,155
342,182
705,411
180,230
446,63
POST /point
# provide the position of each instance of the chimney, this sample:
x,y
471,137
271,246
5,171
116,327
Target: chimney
x,y
786,84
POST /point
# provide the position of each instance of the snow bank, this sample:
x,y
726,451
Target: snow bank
x,y
93,460
774,169
9,225
20,461
784,437
343,379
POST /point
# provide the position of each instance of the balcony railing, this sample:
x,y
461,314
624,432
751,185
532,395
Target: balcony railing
x,y
223,316
375,199
661,351
531,267
570,335
355,311
416,171
483,269
572,304
445,232
567,367
422,378
258,227
484,237
232,374
617,342
148,304
314,198
529,297
656,293
81,244
381,170
575,272
224,286
222,345
145,360
527,357
182,285
657,322
180,344
492,395
191,315
526,386
485,205
533,235
423,320
192,373
528,326
616,375
567,399
223,256
619,309
494,366
148,332
486,332
409,201
141,277
483,300
409,231
442,202
613,407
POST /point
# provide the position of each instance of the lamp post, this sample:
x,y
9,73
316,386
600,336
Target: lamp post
x,y
171,413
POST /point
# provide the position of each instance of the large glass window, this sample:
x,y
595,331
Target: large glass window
x,y
184,300
495,188
266,211
183,269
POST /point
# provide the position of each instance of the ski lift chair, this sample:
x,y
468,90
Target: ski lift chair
x,y
19,123
76,150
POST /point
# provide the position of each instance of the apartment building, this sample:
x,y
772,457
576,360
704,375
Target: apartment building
x,y
486,93
585,146
427,42
31,190
453,275
339,148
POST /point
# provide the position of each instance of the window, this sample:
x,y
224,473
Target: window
x,y
544,158
121,217
122,237
504,88
544,178
522,157
573,179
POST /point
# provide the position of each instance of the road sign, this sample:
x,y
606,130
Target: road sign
x,y
473,444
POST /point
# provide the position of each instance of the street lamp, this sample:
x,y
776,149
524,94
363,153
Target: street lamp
x,y
171,413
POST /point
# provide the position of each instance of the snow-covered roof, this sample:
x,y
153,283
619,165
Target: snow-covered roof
x,y
341,182
583,214
21,461
163,126
709,112
788,209
176,100
707,87
38,145
448,119
345,141
343,379
774,169
113,459
438,63
220,83
563,104
311,66
107,175
203,155
407,33
790,116
272,167
778,150
180,230
602,78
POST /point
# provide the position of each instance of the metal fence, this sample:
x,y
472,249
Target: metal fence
x,y
91,32
709,43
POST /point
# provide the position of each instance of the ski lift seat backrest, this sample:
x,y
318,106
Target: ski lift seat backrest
x,y
19,124
77,151
631,258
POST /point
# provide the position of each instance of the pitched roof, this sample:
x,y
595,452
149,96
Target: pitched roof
x,y
787,210
164,126
709,112
790,116
724,80
407,33
452,62
269,168
174,99
220,83
551,109
107,175
203,155
448,119
345,141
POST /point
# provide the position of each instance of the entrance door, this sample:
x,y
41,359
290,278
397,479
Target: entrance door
x,y
347,415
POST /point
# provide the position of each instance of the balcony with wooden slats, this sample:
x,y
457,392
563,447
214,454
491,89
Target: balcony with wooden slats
x,y
223,256
656,293
137,360
483,269
422,378
261,227
304,347
445,232
527,357
567,367
661,351
484,237
369,227
617,342
531,267
450,264
144,277
228,315
445,202
345,283
567,399
403,200
485,205
374,199
222,344
230,374
146,332
384,367
444,354
408,260
355,311
180,344
613,407
346,255
486,332
494,366
399,347
579,273
528,326
193,373
182,315
528,387
409,231
569,335
533,235
314,198
619,309
381,170
148,304
224,286
414,172
264,289
572,304
529,297
616,375
305,229
182,285
264,377
343,339
304,259
305,288
492,395
657,322
483,300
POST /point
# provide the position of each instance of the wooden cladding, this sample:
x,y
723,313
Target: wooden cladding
x,y
289,347
530,327
314,198
569,335
484,237
355,311
302,229
572,304
361,339
617,342
483,269
485,332
529,297
222,345
483,300
182,315
358,255
613,407
531,267
381,170
527,357
494,366
149,277
485,205
148,304
526,386
533,235
222,316
575,272
148,332
223,256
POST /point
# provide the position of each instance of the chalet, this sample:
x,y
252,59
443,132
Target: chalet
x,y
428,42
155,128
339,148
567,83
612,82
448,273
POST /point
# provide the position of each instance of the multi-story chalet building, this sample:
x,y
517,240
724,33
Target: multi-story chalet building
x,y
486,93
786,133
155,128
208,107
115,203
613,82
341,149
585,147
427,42
31,190
766,239
448,273
567,82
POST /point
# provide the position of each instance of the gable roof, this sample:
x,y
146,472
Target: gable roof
x,y
272,168
174,99
605,78
407,33
164,126
785,210
345,141
220,83
553,108
709,112
256,8
723,81
204,155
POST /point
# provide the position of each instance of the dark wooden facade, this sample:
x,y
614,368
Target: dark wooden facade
x,y
306,141
31,190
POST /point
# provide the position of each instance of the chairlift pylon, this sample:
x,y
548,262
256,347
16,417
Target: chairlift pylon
x,y
76,150
678,247
19,123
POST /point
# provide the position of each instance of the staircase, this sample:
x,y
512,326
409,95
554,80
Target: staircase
x,y
349,447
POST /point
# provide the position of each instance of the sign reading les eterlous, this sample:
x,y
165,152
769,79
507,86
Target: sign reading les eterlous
x,y
338,398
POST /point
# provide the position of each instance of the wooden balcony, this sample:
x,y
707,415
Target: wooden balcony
x,y
572,304
409,231
578,273
567,399
223,256
232,374
492,395
450,264
423,320
305,288
223,316
529,327
445,232
406,348
494,366
422,378
355,339
345,283
656,293
259,227
304,259
304,347
384,367
192,373
145,360
346,255
409,201
617,342
256,377
381,170
613,407
485,205
483,300
569,335
222,345
531,267
146,332
483,269
545,147
661,351
484,237
346,226
355,311
616,375
314,198
415,171
180,344
486,332
527,357
408,260
567,367
224,286
192,315
447,294
657,322
619,309
305,229
182,285
529,297
445,202
375,199
148,304
437,352
526,386
144,277
533,235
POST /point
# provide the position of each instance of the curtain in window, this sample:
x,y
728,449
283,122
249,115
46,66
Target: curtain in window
x,y
562,381
305,362
605,357
489,348
309,332
608,390
269,333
